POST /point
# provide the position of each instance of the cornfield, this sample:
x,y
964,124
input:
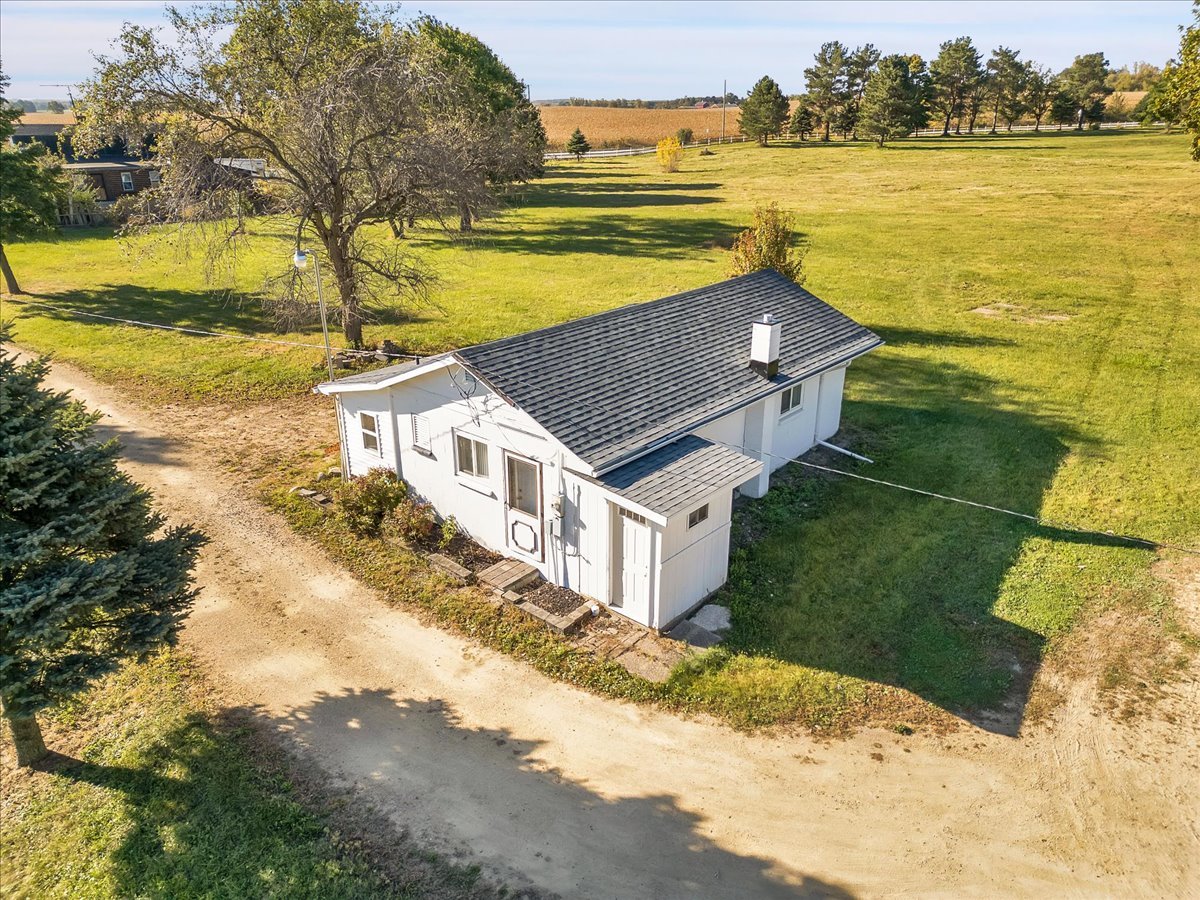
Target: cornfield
x,y
608,127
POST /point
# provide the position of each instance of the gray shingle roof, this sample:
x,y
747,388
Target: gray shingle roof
x,y
670,479
611,384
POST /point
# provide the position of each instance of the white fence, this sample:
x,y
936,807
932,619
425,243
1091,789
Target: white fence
x,y
641,151
937,132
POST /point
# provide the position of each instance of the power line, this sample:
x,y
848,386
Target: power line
x,y
201,332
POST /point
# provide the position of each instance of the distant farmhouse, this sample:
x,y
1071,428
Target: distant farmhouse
x,y
606,452
114,173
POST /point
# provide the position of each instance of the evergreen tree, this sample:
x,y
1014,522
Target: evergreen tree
x,y
954,74
764,111
1006,82
1039,92
89,575
891,106
1062,108
578,144
977,94
859,66
31,181
826,82
1085,81
55,107
802,122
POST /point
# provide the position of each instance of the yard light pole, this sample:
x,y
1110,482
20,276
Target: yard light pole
x,y
300,261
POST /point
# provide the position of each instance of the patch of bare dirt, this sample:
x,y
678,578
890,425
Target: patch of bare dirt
x,y
553,599
1018,313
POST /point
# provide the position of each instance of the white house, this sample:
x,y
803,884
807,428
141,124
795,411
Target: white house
x,y
606,451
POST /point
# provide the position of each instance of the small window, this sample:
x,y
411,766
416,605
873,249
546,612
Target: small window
x,y
127,181
791,400
154,176
696,516
472,456
369,424
420,437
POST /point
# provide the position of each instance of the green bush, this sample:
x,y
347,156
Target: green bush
x,y
364,501
450,530
684,135
411,521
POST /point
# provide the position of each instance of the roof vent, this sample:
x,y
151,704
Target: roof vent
x,y
764,346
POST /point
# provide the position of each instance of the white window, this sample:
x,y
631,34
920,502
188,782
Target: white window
x,y
472,456
696,516
791,400
369,423
154,176
127,181
420,430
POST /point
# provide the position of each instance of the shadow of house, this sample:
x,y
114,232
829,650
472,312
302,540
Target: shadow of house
x,y
217,310
488,787
883,585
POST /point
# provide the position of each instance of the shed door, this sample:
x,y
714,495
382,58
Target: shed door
x,y
631,564
523,505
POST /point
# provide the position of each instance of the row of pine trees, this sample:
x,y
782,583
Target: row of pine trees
x,y
861,93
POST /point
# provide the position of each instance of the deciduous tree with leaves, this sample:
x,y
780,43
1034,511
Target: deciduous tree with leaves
x,y
361,117
767,244
1179,98
1040,88
764,111
1085,81
31,184
90,576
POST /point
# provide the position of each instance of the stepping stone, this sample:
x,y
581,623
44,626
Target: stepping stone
x,y
713,617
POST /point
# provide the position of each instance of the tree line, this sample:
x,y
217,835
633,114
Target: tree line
x,y
861,93
731,99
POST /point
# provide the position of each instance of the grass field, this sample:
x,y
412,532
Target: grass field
x,y
606,126
1039,295
166,800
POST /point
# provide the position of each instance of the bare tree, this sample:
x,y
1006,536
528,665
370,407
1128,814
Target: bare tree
x,y
360,122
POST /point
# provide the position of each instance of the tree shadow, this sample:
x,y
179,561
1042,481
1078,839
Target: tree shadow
x,y
216,310
921,337
617,235
151,449
206,819
896,588
487,787
604,195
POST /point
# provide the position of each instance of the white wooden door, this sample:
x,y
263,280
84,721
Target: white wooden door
x,y
631,564
523,506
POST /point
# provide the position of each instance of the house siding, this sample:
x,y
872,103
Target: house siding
x,y
694,561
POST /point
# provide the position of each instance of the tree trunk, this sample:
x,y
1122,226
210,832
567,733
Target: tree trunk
x,y
826,132
352,322
881,142
1079,126
995,118
464,216
397,228
10,280
412,220
27,738
946,127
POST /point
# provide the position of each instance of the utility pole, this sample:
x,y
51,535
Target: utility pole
x,y
724,94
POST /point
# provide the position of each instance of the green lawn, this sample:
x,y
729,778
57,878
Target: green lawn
x,y
169,799
1040,296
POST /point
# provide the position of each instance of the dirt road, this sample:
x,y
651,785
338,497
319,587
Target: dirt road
x,y
547,785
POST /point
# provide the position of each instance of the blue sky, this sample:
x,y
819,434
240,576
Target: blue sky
x,y
657,50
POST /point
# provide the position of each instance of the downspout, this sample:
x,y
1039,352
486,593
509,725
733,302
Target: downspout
x,y
395,434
